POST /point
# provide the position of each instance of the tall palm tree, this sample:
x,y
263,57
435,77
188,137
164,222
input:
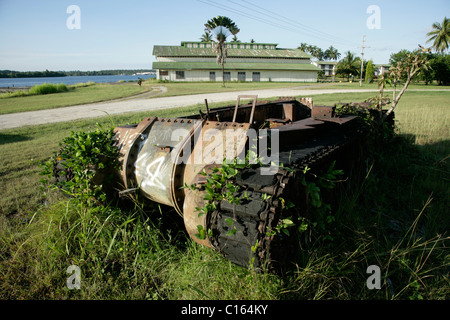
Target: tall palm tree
x,y
440,35
221,27
332,53
206,37
348,65
313,50
303,46
221,21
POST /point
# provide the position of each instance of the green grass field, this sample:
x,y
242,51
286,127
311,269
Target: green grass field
x,y
77,95
74,96
397,219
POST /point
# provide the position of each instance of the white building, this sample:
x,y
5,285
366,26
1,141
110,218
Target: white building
x,y
196,61
379,69
328,67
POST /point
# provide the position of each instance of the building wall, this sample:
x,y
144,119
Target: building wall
x,y
264,75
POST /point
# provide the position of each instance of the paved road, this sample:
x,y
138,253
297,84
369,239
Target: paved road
x,y
138,103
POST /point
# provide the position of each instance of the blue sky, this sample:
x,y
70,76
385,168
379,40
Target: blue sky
x,y
121,34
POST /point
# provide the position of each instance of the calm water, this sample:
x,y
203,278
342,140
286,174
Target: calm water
x,y
29,82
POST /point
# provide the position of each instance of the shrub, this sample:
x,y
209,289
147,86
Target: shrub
x,y
47,88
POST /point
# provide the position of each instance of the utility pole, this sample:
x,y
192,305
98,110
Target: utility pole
x,y
362,59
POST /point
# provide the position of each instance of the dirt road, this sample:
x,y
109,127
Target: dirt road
x,y
139,103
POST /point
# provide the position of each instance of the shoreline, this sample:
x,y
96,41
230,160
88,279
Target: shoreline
x,y
12,89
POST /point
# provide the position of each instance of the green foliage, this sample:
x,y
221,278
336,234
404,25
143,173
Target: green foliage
x,y
47,88
440,66
321,213
370,73
349,65
440,35
40,89
219,186
83,158
221,21
30,74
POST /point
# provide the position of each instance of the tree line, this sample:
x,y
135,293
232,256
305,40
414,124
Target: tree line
x,y
30,74
436,61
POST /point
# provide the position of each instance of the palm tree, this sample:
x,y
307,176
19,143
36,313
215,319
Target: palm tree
x,y
221,21
315,51
303,46
332,53
440,34
206,37
221,27
348,65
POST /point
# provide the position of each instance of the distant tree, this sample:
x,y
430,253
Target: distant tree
x,y
349,65
317,53
221,27
331,54
252,40
370,72
313,50
406,68
206,37
222,21
440,66
426,73
303,46
440,35
235,39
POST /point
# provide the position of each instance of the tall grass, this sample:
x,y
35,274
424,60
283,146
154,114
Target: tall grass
x,y
39,89
47,88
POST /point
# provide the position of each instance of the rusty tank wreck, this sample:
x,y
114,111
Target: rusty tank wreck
x,y
176,161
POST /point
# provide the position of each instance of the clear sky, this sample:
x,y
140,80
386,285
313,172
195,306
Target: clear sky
x,y
121,34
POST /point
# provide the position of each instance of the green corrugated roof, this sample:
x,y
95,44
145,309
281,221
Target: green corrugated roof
x,y
179,51
234,66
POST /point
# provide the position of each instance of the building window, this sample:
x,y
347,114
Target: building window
x,y
164,73
247,46
241,76
189,45
179,75
256,76
212,76
202,45
227,76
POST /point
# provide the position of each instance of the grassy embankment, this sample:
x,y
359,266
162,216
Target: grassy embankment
x,y
397,219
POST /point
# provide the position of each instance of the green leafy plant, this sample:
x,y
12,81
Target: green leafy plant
x,y
84,162
314,185
282,227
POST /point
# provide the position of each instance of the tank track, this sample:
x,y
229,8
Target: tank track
x,y
261,207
